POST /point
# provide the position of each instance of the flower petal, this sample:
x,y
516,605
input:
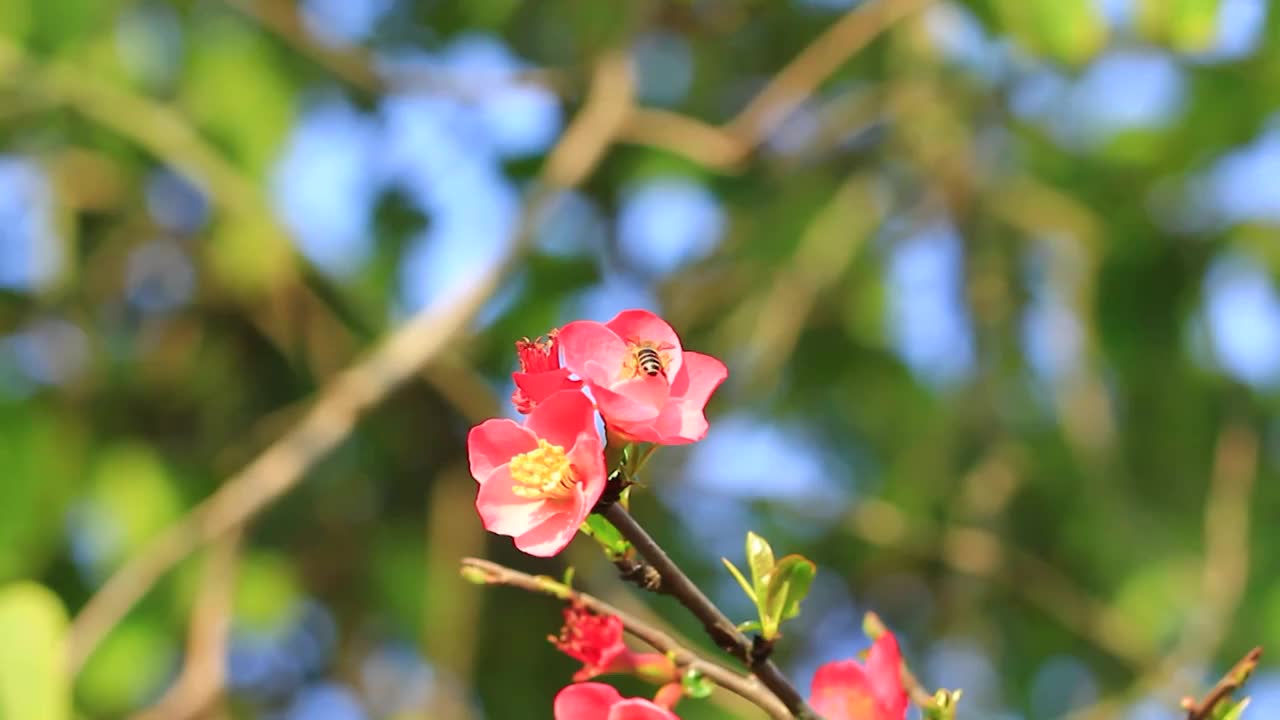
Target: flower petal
x,y
538,386
630,401
561,418
840,691
884,673
683,420
585,701
494,442
587,458
505,513
557,531
703,375
592,351
642,326
639,709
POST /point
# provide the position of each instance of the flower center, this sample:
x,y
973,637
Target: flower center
x,y
646,358
542,473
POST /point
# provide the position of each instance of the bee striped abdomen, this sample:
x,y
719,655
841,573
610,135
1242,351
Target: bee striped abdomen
x,y
649,361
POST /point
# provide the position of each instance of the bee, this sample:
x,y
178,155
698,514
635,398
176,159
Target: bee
x,y
649,361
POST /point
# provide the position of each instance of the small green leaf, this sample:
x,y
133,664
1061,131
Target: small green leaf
x,y
696,685
749,626
737,575
760,560
943,705
604,533
792,577
1230,710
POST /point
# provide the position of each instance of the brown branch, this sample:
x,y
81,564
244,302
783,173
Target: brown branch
x,y
746,687
823,57
980,553
340,405
204,668
720,628
1232,681
357,67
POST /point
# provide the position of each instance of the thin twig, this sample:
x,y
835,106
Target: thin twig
x,y
720,628
1225,570
204,668
1232,681
746,687
358,67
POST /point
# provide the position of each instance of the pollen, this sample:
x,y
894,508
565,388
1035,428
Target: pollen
x,y
543,473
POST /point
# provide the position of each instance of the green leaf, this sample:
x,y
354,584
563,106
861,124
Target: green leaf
x,y
943,706
749,626
696,685
760,560
131,665
1230,710
737,575
33,679
267,591
608,536
792,578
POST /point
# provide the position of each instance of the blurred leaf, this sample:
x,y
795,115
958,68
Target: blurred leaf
x,y
235,89
267,592
131,664
132,497
41,456
1070,31
1159,598
15,18
606,535
249,253
696,685
33,678
1185,25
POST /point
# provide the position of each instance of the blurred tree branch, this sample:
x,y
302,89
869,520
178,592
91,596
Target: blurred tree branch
x,y
345,399
1224,570
359,67
747,687
204,667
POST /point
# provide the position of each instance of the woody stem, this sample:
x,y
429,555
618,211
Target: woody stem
x,y
721,629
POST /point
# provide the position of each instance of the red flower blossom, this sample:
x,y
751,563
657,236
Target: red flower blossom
x,y
596,640
538,481
848,690
597,701
647,388
540,374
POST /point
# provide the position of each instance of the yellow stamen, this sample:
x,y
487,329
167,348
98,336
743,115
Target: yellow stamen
x,y
542,473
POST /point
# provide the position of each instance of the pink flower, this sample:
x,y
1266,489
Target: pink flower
x,y
540,374
538,481
847,690
646,387
596,640
597,701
